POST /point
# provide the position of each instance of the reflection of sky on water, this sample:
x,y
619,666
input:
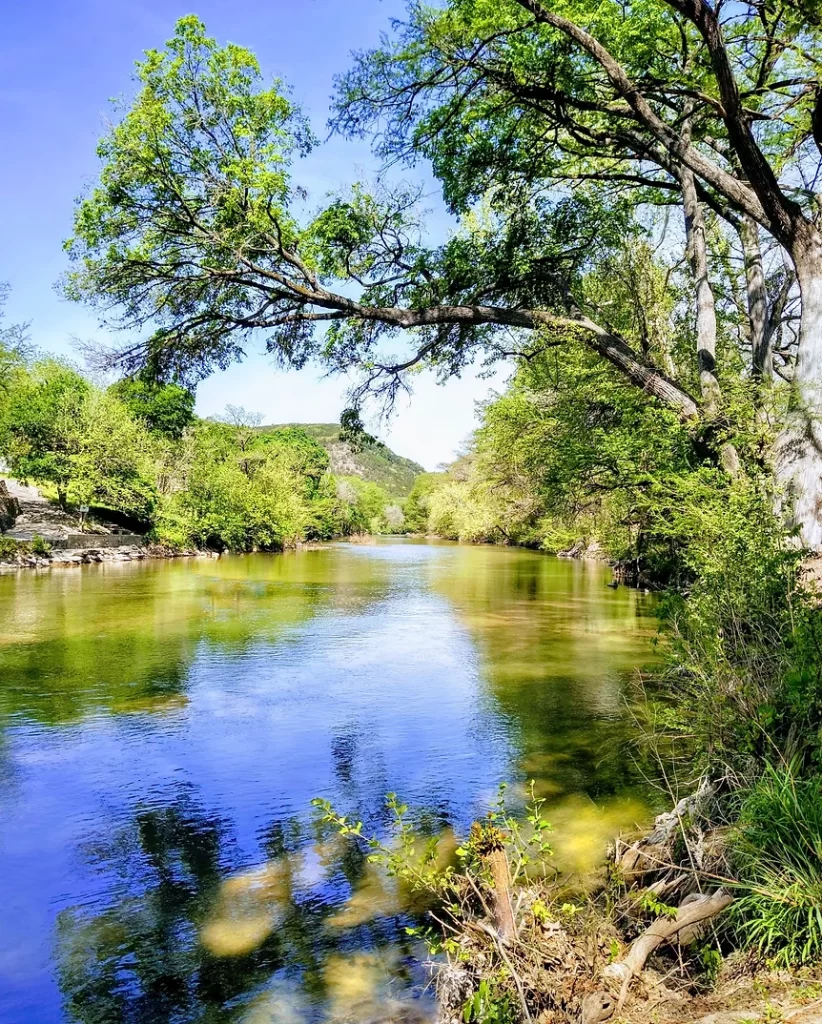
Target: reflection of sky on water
x,y
196,710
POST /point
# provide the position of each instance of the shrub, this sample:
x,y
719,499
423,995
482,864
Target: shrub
x,y
40,546
12,550
9,549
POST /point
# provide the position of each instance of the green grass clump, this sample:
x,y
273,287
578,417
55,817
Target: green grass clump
x,y
40,546
778,856
11,549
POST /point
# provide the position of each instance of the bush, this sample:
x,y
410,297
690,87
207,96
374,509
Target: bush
x,y
9,549
40,546
12,550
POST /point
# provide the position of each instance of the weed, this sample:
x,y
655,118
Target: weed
x,y
40,546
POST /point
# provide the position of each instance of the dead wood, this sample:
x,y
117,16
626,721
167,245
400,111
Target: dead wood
x,y
691,916
503,911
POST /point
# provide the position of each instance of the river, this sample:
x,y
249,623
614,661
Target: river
x,y
165,725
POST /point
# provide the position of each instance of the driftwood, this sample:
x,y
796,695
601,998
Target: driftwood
x,y
653,853
684,928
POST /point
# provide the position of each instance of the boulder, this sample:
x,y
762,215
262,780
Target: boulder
x,y
9,507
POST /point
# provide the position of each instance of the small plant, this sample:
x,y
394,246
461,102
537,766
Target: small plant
x,y
651,904
489,1005
710,959
460,888
40,546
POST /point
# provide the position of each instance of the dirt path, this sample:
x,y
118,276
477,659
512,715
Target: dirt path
x,y
39,516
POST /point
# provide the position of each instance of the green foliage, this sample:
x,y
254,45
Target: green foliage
x,y
743,645
569,452
13,551
456,886
223,493
198,167
649,903
374,462
777,851
416,508
55,428
352,431
135,449
10,549
166,409
38,423
40,546
15,350
490,1006
230,485
113,458
293,446
417,860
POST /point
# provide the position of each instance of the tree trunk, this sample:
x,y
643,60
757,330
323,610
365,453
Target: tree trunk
x,y
697,250
799,448
761,355
705,304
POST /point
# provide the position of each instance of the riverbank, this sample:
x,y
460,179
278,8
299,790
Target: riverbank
x,y
643,940
25,556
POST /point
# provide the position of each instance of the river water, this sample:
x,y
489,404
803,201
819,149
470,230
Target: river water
x,y
165,725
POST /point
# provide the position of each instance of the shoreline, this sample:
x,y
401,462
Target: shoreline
x,y
67,558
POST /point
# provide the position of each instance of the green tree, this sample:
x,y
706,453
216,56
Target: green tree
x,y
14,346
166,409
226,493
192,231
417,505
38,429
195,181
112,457
300,451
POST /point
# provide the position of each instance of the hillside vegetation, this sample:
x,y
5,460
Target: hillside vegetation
x,y
375,461
136,450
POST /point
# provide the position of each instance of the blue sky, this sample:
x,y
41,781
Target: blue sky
x,y
61,61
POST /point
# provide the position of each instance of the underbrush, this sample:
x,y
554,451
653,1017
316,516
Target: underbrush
x,y
739,699
12,550
511,940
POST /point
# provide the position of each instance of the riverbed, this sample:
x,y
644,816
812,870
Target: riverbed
x,y
165,725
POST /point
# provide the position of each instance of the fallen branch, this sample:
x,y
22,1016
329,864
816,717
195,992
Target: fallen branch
x,y
694,912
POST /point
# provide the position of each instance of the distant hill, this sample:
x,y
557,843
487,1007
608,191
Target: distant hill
x,y
374,462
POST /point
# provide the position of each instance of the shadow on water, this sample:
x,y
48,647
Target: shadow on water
x,y
198,941
163,728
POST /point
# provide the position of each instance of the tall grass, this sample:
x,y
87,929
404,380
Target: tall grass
x,y
777,854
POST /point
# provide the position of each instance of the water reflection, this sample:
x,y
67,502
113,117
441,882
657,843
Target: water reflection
x,y
163,728
187,938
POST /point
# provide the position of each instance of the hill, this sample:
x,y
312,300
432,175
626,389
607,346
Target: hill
x,y
373,462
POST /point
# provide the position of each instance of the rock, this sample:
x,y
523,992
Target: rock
x,y
9,507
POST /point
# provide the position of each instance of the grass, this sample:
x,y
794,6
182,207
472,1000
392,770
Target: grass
x,y
778,857
12,550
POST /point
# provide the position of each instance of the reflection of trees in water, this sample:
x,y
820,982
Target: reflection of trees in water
x,y
143,959
558,650
123,638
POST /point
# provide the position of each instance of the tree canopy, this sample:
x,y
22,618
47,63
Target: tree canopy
x,y
556,132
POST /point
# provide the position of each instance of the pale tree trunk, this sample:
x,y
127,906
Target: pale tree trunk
x,y
799,448
761,337
697,251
